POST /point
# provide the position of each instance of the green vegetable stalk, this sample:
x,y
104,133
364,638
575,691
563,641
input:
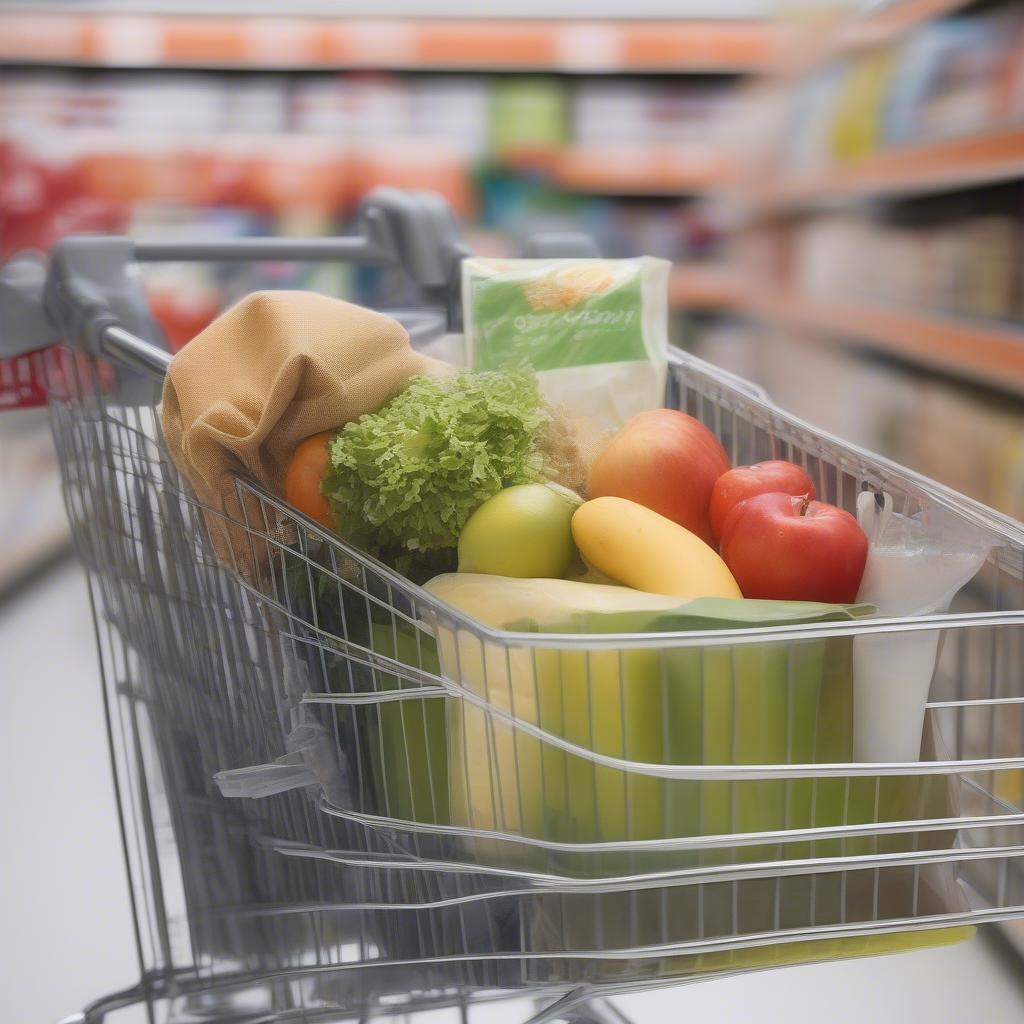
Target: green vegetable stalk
x,y
405,479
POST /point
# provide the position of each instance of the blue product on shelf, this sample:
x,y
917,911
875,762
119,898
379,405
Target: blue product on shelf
x,y
946,83
810,116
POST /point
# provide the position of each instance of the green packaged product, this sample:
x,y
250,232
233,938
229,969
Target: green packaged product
x,y
593,330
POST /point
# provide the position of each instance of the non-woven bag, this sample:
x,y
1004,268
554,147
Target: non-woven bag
x,y
270,371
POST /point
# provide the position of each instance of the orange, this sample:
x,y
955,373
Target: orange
x,y
303,476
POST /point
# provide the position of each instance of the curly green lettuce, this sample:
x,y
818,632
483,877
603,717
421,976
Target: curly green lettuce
x,y
404,480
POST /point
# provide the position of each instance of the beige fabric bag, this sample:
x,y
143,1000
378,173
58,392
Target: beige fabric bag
x,y
267,373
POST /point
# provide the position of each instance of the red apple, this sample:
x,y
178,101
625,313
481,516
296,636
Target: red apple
x,y
667,461
744,482
788,548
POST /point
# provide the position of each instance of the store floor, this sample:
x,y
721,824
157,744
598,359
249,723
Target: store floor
x,y
65,930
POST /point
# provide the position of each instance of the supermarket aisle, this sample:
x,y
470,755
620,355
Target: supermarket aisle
x,y
66,933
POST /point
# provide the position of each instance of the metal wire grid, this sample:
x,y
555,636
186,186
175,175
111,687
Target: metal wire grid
x,y
332,692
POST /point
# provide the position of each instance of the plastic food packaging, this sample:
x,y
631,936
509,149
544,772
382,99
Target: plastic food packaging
x,y
762,703
595,331
916,564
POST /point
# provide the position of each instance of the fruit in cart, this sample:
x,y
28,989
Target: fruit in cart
x,y
636,546
666,461
742,482
523,531
303,478
794,549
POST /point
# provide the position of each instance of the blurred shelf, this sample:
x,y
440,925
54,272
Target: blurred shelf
x,y
265,171
808,50
640,169
985,354
902,15
962,162
703,286
307,42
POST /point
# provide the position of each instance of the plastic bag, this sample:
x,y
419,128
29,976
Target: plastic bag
x,y
595,331
916,564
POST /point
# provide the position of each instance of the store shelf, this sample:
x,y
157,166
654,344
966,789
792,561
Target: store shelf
x,y
808,50
309,42
640,169
329,174
703,287
902,15
984,354
963,162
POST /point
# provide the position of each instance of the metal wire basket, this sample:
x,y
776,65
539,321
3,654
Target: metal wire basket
x,y
339,795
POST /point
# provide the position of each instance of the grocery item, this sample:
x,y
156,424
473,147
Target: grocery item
x,y
406,478
304,475
593,330
642,549
790,548
648,704
858,114
527,115
568,606
230,405
667,461
774,476
522,531
915,566
500,601
947,80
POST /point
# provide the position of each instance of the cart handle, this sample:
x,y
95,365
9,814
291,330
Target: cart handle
x,y
90,286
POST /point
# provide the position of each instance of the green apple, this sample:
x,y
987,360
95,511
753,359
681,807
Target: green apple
x,y
523,531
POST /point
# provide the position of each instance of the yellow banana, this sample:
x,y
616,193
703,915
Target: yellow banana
x,y
644,550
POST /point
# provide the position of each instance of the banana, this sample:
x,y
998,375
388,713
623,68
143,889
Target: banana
x,y
644,550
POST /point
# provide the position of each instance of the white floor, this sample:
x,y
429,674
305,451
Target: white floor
x,y
65,930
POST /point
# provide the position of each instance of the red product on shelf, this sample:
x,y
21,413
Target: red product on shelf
x,y
42,202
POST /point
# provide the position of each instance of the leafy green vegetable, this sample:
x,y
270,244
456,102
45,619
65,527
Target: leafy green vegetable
x,y
405,479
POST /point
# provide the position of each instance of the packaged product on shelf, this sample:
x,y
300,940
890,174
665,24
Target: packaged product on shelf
x,y
989,278
856,128
947,82
1010,84
806,138
527,116
593,330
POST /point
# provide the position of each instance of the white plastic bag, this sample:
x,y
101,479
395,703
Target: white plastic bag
x,y
916,564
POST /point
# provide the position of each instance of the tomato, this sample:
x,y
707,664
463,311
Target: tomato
x,y
303,476
788,548
774,477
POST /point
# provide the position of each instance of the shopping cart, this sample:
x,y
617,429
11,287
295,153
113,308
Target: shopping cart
x,y
342,798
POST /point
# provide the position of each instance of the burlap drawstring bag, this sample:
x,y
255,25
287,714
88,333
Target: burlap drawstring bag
x,y
267,373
